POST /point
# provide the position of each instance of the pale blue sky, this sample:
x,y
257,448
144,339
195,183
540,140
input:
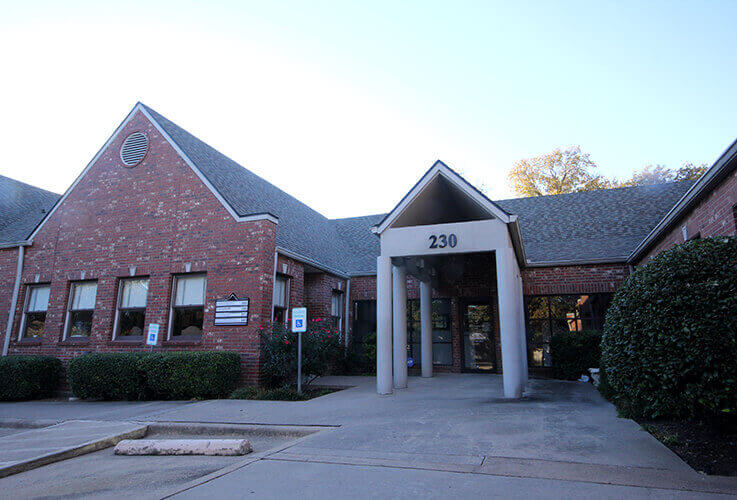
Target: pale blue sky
x,y
345,104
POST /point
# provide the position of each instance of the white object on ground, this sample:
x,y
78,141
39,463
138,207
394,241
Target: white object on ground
x,y
584,378
227,447
595,376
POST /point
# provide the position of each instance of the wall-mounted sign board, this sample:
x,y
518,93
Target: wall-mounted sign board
x,y
231,311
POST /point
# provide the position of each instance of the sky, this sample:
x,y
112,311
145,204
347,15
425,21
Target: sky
x,y
346,104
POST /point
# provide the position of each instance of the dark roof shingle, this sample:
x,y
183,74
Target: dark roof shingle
x,y
22,207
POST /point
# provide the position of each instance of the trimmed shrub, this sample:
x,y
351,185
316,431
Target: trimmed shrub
x,y
142,375
28,377
670,335
321,353
574,353
187,375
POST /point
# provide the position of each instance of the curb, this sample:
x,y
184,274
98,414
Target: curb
x,y
75,451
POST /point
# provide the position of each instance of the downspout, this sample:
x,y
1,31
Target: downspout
x,y
14,300
347,310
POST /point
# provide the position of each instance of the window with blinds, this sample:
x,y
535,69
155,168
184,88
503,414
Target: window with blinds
x,y
132,299
81,309
281,298
34,318
188,307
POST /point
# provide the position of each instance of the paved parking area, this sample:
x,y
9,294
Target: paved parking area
x,y
452,435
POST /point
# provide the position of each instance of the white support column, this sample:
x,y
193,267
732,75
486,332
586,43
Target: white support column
x,y
523,335
383,325
510,322
426,327
399,311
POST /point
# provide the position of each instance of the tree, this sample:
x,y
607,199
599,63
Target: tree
x,y
659,174
558,172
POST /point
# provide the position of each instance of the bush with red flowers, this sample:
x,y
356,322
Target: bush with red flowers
x,y
321,352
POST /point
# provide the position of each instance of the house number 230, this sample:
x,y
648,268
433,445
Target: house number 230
x,y
443,240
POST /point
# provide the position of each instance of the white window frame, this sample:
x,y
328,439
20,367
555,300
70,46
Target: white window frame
x,y
341,308
68,315
116,323
287,293
23,318
173,299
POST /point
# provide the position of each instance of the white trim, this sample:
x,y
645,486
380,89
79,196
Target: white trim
x,y
273,287
439,168
347,309
173,296
70,299
117,303
198,172
131,114
14,300
306,260
24,312
678,210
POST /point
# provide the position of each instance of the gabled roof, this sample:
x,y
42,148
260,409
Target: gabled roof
x,y
591,226
441,169
22,207
301,230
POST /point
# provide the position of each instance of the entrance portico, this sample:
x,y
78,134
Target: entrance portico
x,y
443,216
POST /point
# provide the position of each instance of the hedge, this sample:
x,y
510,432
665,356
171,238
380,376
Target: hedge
x,y
670,335
574,353
28,377
143,376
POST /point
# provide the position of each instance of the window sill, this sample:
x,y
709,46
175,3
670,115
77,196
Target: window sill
x,y
124,341
28,342
83,341
190,341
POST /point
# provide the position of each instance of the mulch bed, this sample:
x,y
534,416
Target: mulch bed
x,y
701,445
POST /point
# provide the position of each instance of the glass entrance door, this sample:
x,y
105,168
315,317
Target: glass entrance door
x,y
479,350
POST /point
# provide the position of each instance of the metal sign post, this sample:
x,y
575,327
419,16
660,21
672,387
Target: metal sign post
x,y
299,325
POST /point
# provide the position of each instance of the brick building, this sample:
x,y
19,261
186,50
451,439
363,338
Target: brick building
x,y
160,227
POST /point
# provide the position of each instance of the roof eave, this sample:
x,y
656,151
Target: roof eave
x,y
716,173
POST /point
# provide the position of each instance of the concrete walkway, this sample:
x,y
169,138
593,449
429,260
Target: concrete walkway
x,y
451,435
28,449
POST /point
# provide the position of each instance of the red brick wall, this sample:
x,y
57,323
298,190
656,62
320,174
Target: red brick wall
x,y
296,272
573,279
8,264
319,289
713,216
160,218
478,280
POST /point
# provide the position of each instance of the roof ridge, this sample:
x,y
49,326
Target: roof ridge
x,y
618,188
158,115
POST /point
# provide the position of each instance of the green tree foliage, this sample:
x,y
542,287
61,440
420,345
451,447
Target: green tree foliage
x,y
28,377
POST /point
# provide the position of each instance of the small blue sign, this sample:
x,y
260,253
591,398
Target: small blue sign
x,y
410,362
298,323
153,334
299,319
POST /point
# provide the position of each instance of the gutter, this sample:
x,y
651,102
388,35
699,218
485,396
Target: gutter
x,y
14,300
559,263
713,176
307,260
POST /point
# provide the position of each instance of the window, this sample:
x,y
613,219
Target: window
x,y
364,323
34,317
188,307
281,298
549,314
336,310
442,350
132,297
81,309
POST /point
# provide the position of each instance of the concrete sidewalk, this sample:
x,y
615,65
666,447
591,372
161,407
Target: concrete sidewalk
x,y
28,449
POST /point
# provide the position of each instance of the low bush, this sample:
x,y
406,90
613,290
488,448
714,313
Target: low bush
x,y
574,353
285,393
28,377
142,376
670,335
321,353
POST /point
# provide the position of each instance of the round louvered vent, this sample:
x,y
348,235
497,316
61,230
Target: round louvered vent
x,y
133,149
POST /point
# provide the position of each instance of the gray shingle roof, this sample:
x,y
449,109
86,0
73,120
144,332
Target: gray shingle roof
x,y
593,225
301,229
22,207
